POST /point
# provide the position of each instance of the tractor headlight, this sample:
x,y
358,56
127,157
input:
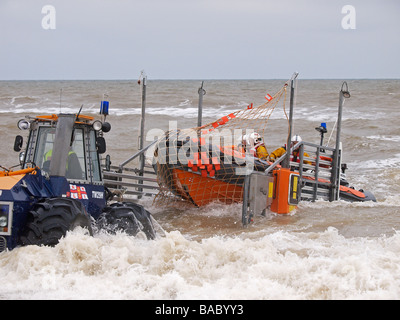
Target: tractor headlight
x,y
6,209
23,124
3,221
97,125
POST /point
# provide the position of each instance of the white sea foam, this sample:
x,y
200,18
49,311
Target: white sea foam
x,y
384,138
280,265
390,162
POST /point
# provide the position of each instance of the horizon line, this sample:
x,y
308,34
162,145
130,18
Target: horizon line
x,y
201,79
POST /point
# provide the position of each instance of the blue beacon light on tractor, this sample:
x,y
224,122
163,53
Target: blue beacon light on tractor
x,y
104,107
105,127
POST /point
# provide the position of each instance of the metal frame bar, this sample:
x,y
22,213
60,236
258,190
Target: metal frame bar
x,y
286,163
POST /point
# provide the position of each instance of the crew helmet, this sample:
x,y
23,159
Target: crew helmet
x,y
296,138
254,139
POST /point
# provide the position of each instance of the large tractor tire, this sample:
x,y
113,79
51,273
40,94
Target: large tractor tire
x,y
127,217
50,219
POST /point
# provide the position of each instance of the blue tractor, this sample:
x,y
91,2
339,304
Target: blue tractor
x,y
58,185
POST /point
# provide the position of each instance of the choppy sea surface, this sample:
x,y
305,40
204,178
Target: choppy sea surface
x,y
324,250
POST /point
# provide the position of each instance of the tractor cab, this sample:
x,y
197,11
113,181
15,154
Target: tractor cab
x,y
64,145
65,151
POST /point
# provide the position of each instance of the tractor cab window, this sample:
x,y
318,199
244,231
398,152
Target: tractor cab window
x,y
44,148
94,158
75,166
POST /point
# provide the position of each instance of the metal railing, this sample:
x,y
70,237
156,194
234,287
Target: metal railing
x,y
316,168
122,180
316,171
129,182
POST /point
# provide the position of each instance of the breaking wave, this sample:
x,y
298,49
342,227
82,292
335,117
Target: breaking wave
x,y
280,265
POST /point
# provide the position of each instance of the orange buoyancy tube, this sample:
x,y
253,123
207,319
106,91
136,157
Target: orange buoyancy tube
x,y
357,193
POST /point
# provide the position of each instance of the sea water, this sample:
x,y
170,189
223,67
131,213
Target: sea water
x,y
323,250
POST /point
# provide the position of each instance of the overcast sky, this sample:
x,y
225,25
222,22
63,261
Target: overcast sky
x,y
199,39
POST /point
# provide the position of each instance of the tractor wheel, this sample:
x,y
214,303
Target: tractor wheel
x,y
127,217
50,219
